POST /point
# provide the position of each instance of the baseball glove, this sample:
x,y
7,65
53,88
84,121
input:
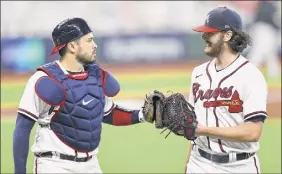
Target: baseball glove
x,y
153,108
179,117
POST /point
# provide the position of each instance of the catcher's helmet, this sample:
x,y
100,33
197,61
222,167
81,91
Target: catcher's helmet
x,y
67,31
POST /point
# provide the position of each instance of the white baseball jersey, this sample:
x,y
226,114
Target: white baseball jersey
x,y
227,98
35,108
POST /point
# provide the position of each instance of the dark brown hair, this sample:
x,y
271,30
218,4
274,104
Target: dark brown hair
x,y
239,40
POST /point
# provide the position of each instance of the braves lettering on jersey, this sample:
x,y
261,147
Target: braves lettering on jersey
x,y
227,98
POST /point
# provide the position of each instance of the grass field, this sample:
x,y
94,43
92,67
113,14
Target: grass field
x,y
139,148
132,85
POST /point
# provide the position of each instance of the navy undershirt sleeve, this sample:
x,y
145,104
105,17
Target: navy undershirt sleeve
x,y
21,136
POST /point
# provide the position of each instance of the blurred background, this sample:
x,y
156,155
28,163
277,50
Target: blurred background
x,y
145,45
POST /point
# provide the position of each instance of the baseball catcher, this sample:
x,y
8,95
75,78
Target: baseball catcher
x,y
173,113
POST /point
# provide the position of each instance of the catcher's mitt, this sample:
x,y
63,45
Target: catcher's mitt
x,y
152,109
179,116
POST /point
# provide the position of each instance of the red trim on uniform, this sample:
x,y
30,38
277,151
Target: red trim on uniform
x,y
229,75
217,125
104,76
113,105
256,165
121,118
209,76
79,76
208,104
214,110
214,113
60,107
52,77
232,73
253,113
43,98
208,73
234,104
28,113
49,74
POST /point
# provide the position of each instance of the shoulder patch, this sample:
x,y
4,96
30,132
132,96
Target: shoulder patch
x,y
50,91
110,84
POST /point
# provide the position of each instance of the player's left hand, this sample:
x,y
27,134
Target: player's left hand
x,y
179,116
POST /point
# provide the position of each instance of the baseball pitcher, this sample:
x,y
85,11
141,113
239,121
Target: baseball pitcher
x,y
226,108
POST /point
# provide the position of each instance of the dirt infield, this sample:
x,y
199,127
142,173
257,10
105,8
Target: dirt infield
x,y
274,95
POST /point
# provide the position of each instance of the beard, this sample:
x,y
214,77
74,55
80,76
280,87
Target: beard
x,y
85,60
214,49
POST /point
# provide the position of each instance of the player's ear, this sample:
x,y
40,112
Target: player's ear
x,y
227,36
72,46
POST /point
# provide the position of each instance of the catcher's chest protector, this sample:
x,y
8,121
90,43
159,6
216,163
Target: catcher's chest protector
x,y
77,122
